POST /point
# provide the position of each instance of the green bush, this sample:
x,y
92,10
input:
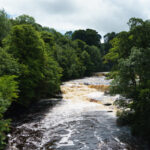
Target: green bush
x,y
8,92
8,65
141,125
124,117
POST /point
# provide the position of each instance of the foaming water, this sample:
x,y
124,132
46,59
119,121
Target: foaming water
x,y
84,119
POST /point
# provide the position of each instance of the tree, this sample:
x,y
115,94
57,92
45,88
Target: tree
x,y
52,70
68,34
69,62
27,47
86,60
8,65
39,73
8,92
134,22
106,46
4,25
50,84
91,37
131,52
121,47
25,19
109,36
95,56
48,38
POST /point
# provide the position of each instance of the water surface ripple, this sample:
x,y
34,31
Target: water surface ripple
x,y
78,121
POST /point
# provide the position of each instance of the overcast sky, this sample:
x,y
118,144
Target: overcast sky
x,y
64,15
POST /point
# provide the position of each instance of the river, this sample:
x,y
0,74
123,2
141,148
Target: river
x,y
83,119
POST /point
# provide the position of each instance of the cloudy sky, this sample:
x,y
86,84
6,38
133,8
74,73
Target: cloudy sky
x,y
64,15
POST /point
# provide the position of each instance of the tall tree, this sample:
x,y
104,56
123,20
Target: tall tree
x,y
28,48
5,25
25,19
90,36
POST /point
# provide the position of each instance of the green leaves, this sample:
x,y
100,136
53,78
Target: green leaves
x,y
5,25
8,65
8,93
39,73
133,78
91,37
4,128
134,22
28,48
25,19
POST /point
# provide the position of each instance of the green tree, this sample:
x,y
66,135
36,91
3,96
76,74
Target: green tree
x,y
91,37
131,52
25,19
4,25
106,46
68,34
8,92
70,63
50,84
134,22
8,65
95,56
86,60
28,48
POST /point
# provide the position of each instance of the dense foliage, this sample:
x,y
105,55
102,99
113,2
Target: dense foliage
x,y
4,25
37,68
8,91
130,53
91,37
34,59
105,48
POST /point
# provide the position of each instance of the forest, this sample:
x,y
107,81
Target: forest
x,y
35,59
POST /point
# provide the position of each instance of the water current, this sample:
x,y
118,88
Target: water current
x,y
83,119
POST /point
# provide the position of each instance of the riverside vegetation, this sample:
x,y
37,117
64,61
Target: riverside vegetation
x,y
130,54
35,59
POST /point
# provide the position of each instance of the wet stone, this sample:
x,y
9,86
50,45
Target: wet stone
x,y
52,142
62,132
108,104
68,148
91,141
110,111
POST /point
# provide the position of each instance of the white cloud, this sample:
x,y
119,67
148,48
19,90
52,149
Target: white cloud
x,y
63,15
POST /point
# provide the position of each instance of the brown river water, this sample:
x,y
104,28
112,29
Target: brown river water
x,y
83,119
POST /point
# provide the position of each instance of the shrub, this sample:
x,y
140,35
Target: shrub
x,y
8,92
